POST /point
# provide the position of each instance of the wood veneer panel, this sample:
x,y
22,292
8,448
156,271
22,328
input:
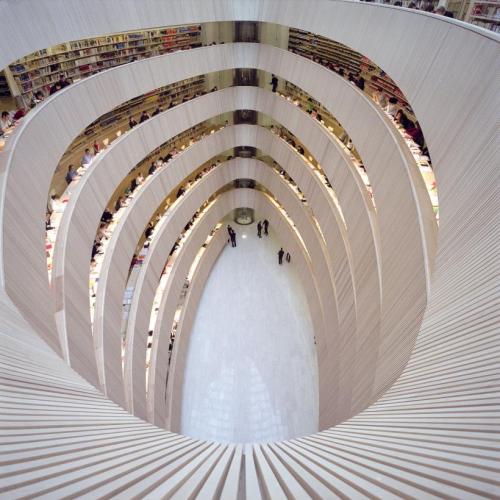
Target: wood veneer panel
x,y
166,235
261,204
426,55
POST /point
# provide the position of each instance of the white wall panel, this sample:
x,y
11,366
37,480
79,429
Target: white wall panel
x,y
430,434
92,195
165,237
290,67
259,202
124,240
105,174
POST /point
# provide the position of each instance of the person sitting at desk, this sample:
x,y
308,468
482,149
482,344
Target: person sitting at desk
x,y
5,121
149,231
403,120
51,208
37,98
379,98
106,216
20,113
441,11
392,107
60,84
132,123
102,233
55,88
120,202
417,135
48,225
157,111
360,82
52,205
71,174
87,157
63,81
95,249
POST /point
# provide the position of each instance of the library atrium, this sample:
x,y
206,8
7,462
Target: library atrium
x,y
249,249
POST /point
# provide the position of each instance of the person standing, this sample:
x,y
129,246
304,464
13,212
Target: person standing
x,y
266,227
259,229
232,235
280,256
274,82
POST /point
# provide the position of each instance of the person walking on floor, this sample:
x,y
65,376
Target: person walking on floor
x,y
274,82
280,256
232,236
288,257
259,229
266,227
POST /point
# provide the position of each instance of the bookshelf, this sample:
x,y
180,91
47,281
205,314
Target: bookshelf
x,y
335,56
4,86
328,51
485,14
111,125
173,146
376,78
315,109
81,58
284,134
331,53
318,111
